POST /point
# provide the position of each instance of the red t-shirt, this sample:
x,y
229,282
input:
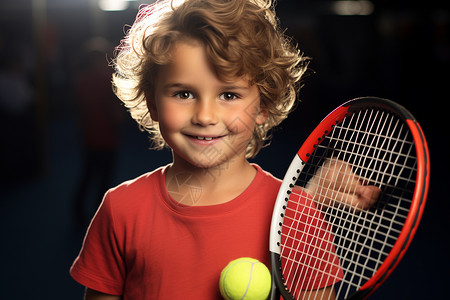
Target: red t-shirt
x,y
143,245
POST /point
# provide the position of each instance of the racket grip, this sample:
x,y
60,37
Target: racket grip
x,y
274,294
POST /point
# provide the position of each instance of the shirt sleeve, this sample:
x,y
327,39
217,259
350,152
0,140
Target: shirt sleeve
x,y
100,265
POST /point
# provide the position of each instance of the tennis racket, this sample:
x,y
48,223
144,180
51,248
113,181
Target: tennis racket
x,y
328,240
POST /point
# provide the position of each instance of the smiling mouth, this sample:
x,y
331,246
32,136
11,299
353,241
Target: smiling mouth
x,y
204,138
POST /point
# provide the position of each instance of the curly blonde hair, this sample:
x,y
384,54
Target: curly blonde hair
x,y
241,37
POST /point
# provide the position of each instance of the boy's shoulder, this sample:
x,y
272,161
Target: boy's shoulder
x,y
264,172
141,184
266,178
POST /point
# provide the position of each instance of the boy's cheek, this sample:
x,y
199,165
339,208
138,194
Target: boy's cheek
x,y
172,119
246,120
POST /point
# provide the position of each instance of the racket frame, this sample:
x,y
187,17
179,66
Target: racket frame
x,y
300,159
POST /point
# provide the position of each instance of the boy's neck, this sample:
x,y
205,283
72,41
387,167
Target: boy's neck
x,y
194,186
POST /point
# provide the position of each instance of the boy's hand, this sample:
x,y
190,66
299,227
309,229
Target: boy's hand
x,y
335,184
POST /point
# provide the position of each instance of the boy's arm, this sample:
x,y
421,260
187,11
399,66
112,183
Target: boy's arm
x,y
94,295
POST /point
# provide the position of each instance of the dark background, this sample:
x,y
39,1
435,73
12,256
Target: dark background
x,y
400,51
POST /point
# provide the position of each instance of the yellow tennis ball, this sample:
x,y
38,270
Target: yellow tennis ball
x,y
245,278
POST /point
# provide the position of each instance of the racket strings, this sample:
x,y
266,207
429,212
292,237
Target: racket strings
x,y
335,243
380,238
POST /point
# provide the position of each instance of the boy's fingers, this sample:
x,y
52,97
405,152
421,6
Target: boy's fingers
x,y
355,201
368,195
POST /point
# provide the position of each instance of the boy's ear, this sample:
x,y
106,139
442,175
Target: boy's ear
x,y
152,108
262,116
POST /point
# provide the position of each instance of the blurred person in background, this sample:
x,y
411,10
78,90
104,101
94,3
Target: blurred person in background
x,y
99,120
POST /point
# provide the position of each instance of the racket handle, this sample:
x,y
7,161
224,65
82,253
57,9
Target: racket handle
x,y
274,294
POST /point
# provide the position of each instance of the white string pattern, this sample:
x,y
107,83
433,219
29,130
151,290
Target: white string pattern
x,y
333,243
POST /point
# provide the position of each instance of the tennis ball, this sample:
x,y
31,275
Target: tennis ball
x,y
245,278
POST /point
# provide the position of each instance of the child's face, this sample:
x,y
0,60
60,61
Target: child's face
x,y
206,121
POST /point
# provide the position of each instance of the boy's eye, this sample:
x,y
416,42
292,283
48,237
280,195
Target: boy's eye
x,y
184,95
228,96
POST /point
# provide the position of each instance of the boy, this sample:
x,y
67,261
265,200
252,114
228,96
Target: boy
x,y
208,79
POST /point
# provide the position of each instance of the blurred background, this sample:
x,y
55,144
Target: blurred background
x,y
65,137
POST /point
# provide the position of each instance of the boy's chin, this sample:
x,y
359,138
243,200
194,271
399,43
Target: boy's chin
x,y
207,162
210,165
219,163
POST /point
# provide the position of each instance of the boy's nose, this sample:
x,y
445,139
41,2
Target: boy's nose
x,y
205,113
